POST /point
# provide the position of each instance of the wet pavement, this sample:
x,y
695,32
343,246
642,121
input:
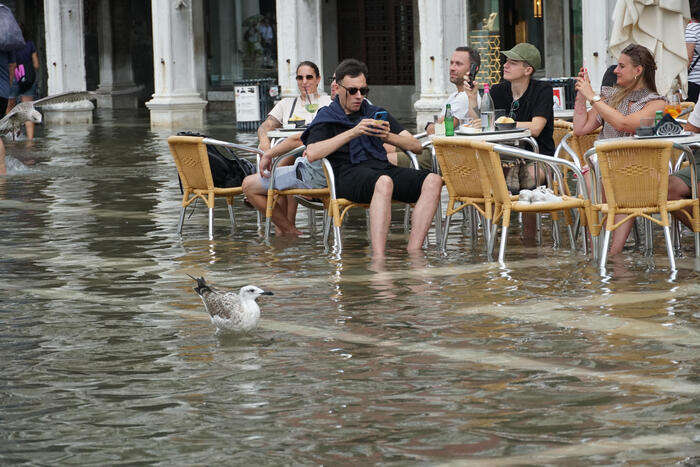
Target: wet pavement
x,y
109,357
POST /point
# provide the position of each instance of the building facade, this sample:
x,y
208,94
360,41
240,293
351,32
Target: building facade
x,y
180,57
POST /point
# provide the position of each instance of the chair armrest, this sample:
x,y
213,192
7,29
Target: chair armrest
x,y
228,144
330,177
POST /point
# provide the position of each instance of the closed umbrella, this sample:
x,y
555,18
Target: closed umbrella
x,y
658,25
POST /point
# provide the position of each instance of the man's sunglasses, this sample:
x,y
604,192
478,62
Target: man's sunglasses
x,y
352,91
514,108
308,77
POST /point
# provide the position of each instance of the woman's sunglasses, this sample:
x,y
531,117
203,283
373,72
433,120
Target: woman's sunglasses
x,y
308,77
352,91
514,108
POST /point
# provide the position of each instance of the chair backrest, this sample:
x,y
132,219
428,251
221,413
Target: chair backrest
x,y
561,128
192,162
581,144
492,170
460,168
634,173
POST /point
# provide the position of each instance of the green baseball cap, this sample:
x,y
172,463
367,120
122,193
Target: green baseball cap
x,y
525,52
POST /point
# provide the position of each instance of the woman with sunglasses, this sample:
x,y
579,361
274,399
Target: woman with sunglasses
x,y
291,109
619,109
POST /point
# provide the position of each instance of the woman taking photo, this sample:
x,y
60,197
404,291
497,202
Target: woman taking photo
x,y
620,108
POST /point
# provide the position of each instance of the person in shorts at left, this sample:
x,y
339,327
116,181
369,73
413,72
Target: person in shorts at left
x,y
28,58
302,174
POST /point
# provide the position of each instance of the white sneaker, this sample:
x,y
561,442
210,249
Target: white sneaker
x,y
525,196
542,194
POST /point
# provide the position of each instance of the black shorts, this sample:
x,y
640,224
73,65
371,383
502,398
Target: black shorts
x,y
3,105
356,182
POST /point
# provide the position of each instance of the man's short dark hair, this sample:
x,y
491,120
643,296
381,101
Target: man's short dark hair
x,y
350,67
474,55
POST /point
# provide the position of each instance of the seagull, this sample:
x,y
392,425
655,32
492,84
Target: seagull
x,y
26,111
230,311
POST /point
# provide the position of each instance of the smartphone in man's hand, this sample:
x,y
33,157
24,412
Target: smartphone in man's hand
x,y
381,115
473,70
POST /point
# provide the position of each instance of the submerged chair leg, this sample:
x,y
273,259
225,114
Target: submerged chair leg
x,y
211,223
472,225
649,235
572,239
669,247
445,231
635,232
556,234
539,228
407,219
182,220
502,248
697,244
604,251
487,235
232,217
311,219
337,239
267,228
326,228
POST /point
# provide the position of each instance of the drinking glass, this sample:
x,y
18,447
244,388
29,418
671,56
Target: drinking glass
x,y
673,107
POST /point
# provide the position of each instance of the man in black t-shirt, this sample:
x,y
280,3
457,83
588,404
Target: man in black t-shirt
x,y
530,103
347,133
527,101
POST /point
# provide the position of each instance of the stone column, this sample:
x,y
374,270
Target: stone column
x,y
597,23
116,71
65,58
442,28
299,33
554,56
178,52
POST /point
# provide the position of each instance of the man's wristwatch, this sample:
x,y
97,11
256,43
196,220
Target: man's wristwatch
x,y
595,99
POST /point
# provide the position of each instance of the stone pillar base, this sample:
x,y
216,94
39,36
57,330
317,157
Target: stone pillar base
x,y
426,107
69,113
177,111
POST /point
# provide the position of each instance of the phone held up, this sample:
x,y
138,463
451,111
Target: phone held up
x,y
381,115
473,70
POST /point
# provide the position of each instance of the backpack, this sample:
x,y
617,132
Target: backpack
x,y
25,75
227,169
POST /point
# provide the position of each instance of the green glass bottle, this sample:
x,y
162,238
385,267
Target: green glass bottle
x,y
658,117
449,121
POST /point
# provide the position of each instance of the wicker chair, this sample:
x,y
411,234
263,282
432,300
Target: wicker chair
x,y
635,178
192,161
489,156
322,194
465,185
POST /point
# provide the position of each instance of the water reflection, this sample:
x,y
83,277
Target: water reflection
x,y
418,358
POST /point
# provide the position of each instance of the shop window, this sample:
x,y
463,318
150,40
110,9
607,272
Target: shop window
x,y
496,25
241,41
381,35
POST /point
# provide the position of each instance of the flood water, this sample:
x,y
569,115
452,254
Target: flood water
x,y
108,356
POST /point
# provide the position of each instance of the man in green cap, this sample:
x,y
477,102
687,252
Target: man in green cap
x,y
530,103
